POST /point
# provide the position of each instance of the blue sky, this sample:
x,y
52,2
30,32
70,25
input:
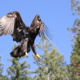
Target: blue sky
x,y
56,14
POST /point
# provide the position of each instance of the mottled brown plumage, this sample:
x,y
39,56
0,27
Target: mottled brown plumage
x,y
13,24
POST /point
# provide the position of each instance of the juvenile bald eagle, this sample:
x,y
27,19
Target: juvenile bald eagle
x,y
13,24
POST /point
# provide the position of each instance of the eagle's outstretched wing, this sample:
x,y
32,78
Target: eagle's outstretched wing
x,y
12,23
43,29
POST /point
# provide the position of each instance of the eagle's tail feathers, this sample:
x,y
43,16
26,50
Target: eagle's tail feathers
x,y
17,52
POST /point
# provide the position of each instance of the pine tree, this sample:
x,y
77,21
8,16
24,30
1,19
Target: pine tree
x,y
51,66
2,77
74,67
18,70
1,67
75,5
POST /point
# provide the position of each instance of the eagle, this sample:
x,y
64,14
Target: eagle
x,y
12,24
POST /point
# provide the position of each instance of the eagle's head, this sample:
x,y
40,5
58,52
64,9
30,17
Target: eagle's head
x,y
38,18
37,24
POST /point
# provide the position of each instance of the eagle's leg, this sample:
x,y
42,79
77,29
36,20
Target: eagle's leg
x,y
24,46
34,50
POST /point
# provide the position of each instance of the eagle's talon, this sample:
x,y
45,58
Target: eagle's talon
x,y
26,54
38,56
